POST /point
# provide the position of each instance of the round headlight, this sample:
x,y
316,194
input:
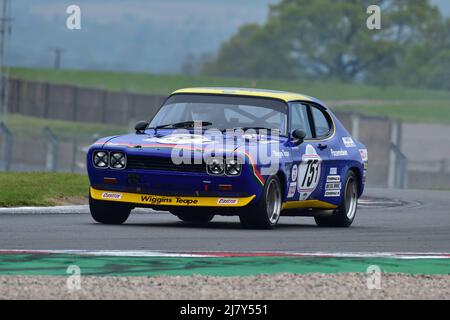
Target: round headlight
x,y
216,167
117,160
233,167
101,159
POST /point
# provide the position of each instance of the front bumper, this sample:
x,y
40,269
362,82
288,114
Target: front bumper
x,y
171,201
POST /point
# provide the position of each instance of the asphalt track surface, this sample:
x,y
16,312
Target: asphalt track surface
x,y
417,221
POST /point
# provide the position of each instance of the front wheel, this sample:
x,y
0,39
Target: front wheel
x,y
265,213
109,212
344,215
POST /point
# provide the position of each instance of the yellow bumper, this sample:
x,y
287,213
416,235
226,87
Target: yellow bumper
x,y
158,200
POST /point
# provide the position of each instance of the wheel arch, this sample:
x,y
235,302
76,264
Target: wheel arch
x,y
358,173
283,184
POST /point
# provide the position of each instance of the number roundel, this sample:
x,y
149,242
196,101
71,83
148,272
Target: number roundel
x,y
309,172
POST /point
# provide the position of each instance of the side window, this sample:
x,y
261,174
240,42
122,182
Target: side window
x,y
299,119
321,123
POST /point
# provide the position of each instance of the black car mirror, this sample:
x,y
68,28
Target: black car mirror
x,y
299,136
141,126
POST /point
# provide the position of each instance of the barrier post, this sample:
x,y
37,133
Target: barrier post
x,y
51,163
7,145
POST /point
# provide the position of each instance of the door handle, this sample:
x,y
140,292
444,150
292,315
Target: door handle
x,y
322,146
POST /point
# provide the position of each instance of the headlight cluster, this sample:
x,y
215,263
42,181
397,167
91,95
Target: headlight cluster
x,y
113,160
219,166
101,159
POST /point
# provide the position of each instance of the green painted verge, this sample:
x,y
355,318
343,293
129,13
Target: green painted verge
x,y
56,265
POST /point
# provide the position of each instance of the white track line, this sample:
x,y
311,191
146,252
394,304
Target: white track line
x,y
46,210
78,209
208,254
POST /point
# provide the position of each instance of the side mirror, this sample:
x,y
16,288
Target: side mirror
x,y
140,127
299,136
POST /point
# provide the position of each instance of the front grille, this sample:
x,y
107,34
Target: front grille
x,y
163,164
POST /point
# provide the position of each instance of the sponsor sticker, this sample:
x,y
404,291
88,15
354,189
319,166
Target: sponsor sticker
x,y
348,142
186,201
333,171
227,201
280,154
167,201
364,155
292,188
334,179
304,196
339,153
155,200
294,172
333,193
111,195
277,154
333,186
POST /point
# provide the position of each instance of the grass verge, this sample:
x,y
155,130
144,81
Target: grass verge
x,y
41,189
412,105
165,84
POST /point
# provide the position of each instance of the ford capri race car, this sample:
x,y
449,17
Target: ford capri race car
x,y
257,154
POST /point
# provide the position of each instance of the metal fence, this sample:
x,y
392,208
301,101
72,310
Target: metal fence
x,y
48,152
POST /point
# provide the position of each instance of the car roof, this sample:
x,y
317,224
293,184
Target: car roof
x,y
262,93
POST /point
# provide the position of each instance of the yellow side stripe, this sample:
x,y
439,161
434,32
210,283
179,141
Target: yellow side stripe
x,y
150,199
308,204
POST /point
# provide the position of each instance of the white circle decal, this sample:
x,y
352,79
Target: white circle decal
x,y
309,172
294,172
180,139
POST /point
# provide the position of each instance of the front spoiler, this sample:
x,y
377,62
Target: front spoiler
x,y
160,200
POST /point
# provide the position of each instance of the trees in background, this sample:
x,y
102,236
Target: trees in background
x,y
329,40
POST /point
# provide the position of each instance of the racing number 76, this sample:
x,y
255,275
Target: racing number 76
x,y
311,173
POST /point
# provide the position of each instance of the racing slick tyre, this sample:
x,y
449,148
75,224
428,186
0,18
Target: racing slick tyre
x,y
266,212
109,212
344,215
193,215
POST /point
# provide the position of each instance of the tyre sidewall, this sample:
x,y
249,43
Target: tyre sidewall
x,y
107,212
339,216
342,209
257,215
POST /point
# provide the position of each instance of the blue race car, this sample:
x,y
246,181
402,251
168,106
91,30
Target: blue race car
x,y
257,154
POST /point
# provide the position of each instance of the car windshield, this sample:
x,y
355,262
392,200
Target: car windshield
x,y
223,112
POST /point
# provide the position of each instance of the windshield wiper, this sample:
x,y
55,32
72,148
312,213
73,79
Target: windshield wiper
x,y
260,128
247,128
256,128
184,124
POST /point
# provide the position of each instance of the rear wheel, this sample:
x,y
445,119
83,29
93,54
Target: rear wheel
x,y
344,215
109,212
266,212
